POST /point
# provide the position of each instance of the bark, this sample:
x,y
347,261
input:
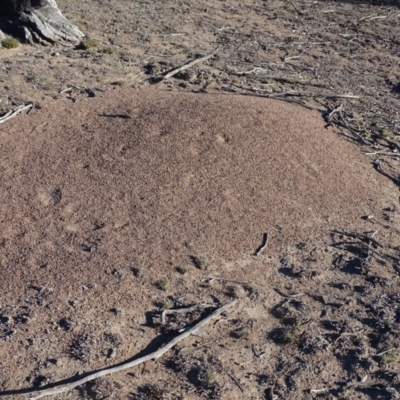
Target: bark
x,y
39,21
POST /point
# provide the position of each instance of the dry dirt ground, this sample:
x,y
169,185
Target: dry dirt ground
x,y
123,194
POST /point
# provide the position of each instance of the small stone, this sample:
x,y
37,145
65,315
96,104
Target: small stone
x,y
67,324
111,353
116,310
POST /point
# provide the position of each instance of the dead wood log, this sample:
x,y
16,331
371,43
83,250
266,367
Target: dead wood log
x,y
39,21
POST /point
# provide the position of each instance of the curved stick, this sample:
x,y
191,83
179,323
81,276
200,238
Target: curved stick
x,y
130,364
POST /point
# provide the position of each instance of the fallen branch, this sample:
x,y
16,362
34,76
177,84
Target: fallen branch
x,y
371,17
383,352
322,390
80,89
383,153
255,69
68,89
265,78
188,65
378,167
311,43
294,81
152,356
291,58
210,280
344,334
237,382
364,384
281,98
333,112
268,96
291,80
386,226
298,43
326,95
15,112
360,236
387,140
302,94
352,130
336,117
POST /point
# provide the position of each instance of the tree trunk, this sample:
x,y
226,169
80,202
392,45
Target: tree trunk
x,y
39,21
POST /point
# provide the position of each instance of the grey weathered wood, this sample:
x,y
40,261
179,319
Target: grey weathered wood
x,y
52,25
41,21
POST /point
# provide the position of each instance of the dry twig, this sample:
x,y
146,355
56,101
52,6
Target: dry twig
x,y
305,94
298,43
360,236
328,95
371,17
344,334
212,279
284,79
322,390
288,296
189,64
384,352
291,80
291,58
336,116
237,382
256,93
386,226
255,69
333,112
364,383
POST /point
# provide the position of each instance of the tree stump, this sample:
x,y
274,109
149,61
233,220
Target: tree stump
x,y
39,21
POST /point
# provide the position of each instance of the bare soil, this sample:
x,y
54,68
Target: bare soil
x,y
127,194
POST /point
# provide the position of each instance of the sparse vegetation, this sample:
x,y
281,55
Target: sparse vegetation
x,y
167,304
10,43
162,284
108,50
289,335
89,44
81,347
388,359
200,262
202,373
387,133
292,335
151,392
242,333
209,378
